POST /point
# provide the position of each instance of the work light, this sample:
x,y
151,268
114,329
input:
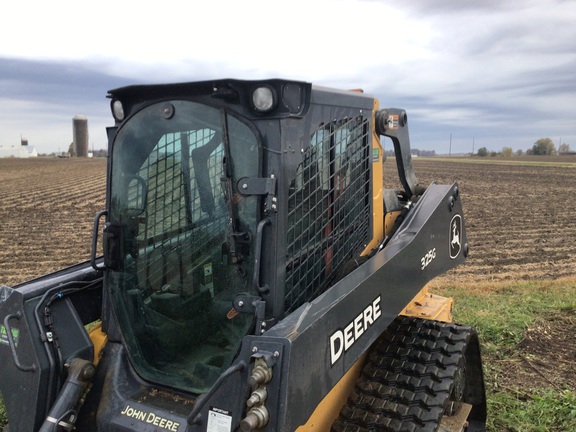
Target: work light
x,y
263,99
117,110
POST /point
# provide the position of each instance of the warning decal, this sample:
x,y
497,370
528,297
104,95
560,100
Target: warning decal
x,y
219,420
4,335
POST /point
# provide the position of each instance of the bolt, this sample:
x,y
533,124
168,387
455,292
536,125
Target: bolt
x,y
254,349
244,186
88,372
240,303
276,354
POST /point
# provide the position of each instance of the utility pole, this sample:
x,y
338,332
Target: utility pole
x,y
450,148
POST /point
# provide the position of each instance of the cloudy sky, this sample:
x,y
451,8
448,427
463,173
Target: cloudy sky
x,y
488,73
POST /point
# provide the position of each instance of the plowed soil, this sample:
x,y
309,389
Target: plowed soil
x,y
47,206
520,219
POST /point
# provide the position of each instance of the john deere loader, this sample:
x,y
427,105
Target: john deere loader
x,y
256,275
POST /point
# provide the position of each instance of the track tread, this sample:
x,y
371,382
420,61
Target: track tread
x,y
408,378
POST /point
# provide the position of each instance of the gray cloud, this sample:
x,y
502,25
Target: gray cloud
x,y
72,82
492,72
38,100
502,71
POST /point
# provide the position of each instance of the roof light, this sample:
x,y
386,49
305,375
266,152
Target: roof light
x,y
263,99
117,110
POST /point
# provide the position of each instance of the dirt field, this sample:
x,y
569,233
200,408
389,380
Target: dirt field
x,y
47,206
520,219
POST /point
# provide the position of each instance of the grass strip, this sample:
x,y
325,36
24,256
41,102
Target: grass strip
x,y
502,313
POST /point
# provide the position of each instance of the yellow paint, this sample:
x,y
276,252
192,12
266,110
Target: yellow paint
x,y
99,339
377,186
327,411
429,306
389,220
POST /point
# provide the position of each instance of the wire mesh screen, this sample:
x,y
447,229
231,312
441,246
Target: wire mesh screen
x,y
185,210
329,209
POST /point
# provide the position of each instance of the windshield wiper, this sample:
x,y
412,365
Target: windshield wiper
x,y
226,180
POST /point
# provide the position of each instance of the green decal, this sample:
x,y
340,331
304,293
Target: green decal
x,y
4,335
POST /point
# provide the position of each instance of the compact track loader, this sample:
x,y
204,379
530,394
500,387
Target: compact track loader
x,y
256,275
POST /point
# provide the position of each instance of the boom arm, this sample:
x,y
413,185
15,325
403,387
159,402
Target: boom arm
x,y
393,123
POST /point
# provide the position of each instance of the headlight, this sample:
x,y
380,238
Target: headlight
x,y
263,99
117,110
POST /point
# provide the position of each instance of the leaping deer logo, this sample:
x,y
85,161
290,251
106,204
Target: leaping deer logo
x,y
455,235
455,242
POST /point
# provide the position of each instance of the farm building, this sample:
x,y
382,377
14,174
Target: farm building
x,y
15,151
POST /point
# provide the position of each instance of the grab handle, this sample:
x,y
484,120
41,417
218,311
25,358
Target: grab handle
x,y
262,289
95,240
12,344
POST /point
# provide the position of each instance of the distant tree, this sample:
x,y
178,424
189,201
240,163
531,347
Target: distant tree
x,y
543,147
529,152
564,148
100,153
71,150
507,151
493,154
427,153
482,152
519,152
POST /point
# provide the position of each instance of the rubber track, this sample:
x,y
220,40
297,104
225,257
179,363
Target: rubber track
x,y
408,378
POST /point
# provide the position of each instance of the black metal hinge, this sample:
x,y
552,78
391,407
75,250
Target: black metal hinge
x,y
260,186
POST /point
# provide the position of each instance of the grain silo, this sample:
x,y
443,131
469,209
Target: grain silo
x,y
80,126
